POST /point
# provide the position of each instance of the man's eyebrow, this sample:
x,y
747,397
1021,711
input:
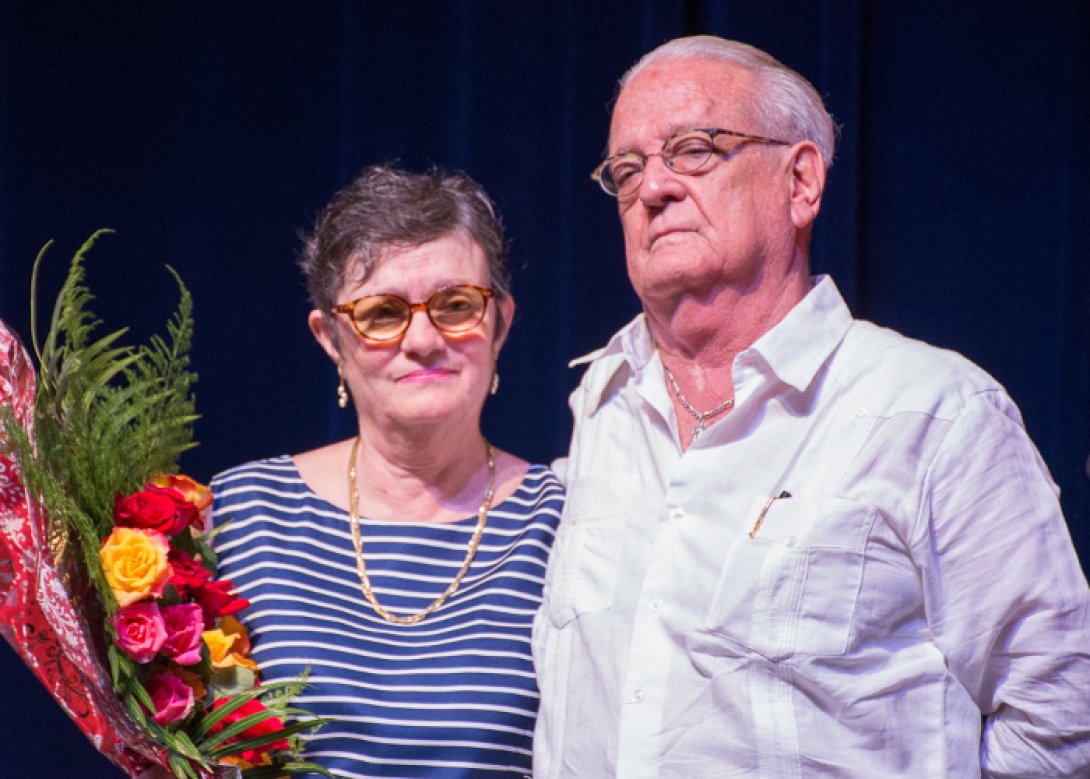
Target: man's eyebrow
x,y
659,139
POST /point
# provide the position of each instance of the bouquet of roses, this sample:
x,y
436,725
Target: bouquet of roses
x,y
104,554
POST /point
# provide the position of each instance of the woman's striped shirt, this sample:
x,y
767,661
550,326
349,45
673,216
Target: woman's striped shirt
x,y
452,696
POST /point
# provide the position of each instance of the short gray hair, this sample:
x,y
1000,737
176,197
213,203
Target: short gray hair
x,y
786,103
388,208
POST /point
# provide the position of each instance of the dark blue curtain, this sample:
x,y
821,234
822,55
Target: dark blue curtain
x,y
208,134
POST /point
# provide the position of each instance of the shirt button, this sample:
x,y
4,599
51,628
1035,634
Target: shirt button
x,y
637,696
655,604
676,514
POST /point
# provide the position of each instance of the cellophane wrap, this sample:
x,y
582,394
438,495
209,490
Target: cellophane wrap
x,y
40,596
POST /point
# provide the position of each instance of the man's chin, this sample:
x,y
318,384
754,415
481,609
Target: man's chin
x,y
658,288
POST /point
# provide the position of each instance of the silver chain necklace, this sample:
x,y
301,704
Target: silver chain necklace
x,y
700,416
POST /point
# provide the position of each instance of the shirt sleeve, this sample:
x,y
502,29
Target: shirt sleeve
x,y
1007,601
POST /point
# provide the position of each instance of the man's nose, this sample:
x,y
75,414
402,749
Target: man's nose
x,y
659,184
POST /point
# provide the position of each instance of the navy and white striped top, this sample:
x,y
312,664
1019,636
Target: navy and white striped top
x,y
453,695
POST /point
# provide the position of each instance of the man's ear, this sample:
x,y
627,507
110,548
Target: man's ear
x,y
807,183
322,327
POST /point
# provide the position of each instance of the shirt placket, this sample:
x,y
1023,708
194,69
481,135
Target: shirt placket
x,y
646,686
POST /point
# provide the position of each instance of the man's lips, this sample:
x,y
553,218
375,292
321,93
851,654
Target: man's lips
x,y
667,231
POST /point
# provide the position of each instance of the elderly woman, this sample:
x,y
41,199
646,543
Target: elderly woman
x,y
402,566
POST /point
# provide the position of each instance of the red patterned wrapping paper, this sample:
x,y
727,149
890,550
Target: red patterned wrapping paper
x,y
37,615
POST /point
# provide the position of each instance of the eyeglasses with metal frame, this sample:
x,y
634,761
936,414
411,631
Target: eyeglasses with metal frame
x,y
454,309
687,152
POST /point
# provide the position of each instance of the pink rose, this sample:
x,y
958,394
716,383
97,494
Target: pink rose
x,y
140,631
184,626
173,698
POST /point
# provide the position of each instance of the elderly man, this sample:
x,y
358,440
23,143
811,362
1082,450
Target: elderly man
x,y
796,544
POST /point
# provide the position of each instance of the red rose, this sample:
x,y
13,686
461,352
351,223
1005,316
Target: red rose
x,y
189,573
263,727
154,508
219,599
187,511
194,493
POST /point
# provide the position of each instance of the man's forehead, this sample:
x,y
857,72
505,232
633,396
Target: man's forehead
x,y
673,95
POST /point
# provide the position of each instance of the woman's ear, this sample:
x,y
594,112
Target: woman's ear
x,y
506,309
324,329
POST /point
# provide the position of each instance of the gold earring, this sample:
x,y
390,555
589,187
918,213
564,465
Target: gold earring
x,y
342,391
495,384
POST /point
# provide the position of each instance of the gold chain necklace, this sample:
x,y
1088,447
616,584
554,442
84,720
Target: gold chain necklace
x,y
361,566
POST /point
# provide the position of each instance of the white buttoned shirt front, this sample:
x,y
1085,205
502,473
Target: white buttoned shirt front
x,y
838,578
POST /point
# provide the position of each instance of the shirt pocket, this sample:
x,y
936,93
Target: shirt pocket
x,y
792,588
583,567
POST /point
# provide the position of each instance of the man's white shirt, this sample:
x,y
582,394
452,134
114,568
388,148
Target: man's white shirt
x,y
835,579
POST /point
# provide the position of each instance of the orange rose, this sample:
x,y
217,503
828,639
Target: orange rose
x,y
229,644
193,493
135,563
244,764
191,678
196,493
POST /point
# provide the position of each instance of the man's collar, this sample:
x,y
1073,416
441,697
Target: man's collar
x,y
633,341
795,349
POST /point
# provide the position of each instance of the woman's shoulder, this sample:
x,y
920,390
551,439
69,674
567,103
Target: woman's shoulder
x,y
540,478
539,494
516,477
274,481
280,468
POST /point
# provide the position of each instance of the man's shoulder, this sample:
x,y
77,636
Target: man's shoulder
x,y
601,365
612,364
905,374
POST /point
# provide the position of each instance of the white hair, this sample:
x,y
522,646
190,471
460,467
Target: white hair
x,y
786,103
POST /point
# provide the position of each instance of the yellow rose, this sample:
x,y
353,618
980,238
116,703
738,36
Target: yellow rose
x,y
229,644
135,563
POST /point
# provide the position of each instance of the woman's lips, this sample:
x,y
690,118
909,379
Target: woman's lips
x,y
427,374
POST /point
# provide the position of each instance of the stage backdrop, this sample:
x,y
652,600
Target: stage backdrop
x,y
209,133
